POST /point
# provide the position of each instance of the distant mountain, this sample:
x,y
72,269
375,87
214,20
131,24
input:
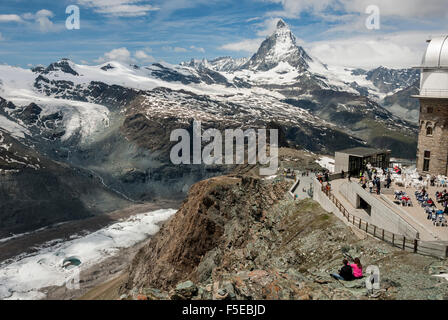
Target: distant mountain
x,y
403,104
390,80
222,64
111,123
280,47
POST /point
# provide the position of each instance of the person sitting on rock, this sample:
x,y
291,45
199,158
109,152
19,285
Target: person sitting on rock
x,y
357,268
346,272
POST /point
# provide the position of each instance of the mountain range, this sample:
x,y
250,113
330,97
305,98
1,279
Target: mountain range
x,y
97,137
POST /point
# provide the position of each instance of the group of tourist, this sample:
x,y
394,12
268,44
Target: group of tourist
x,y
442,198
438,181
325,177
289,173
403,198
371,178
437,216
349,272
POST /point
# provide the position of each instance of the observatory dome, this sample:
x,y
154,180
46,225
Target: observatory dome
x,y
434,77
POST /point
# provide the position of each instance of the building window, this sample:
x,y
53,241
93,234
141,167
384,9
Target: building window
x,y
426,165
429,131
430,110
426,161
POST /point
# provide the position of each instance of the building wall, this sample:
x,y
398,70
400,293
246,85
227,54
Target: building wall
x,y
437,143
380,215
340,162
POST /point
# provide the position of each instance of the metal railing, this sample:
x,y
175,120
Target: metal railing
x,y
441,93
396,240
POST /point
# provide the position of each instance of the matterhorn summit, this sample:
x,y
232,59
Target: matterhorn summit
x,y
281,46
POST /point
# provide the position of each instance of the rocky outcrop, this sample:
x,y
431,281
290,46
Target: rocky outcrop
x,y
217,215
237,238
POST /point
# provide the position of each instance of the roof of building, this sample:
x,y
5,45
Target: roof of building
x,y
436,55
362,152
434,80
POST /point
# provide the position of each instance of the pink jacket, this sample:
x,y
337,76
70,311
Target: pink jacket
x,y
357,271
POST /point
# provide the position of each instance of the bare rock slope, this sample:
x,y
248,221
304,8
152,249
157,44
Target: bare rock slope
x,y
239,238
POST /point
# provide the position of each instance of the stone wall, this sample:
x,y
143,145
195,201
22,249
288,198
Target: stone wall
x,y
381,215
437,143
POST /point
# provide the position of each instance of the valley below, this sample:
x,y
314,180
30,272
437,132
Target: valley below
x,y
32,265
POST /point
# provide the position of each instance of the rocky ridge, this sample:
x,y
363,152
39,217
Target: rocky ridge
x,y
240,238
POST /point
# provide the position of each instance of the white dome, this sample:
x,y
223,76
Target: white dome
x,y
436,55
434,77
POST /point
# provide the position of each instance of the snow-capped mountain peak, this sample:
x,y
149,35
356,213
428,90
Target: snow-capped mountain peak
x,y
281,24
63,65
281,46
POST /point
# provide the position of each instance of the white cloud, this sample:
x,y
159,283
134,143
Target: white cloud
x,y
267,27
398,50
402,8
201,50
293,8
182,49
119,8
399,8
175,49
10,18
121,55
42,19
248,45
179,49
142,56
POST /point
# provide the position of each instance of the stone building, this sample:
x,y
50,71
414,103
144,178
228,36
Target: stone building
x,y
355,160
432,151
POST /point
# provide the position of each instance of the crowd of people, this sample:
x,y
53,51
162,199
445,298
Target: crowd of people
x,y
435,214
289,173
403,198
372,178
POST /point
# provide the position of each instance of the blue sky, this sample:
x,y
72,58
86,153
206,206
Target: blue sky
x,y
139,31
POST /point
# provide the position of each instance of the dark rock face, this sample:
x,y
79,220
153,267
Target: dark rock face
x,y
364,117
199,226
36,191
388,80
62,65
204,75
171,75
107,67
404,97
113,96
6,105
31,113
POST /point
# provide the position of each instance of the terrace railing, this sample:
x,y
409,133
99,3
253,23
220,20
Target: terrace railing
x,y
438,250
